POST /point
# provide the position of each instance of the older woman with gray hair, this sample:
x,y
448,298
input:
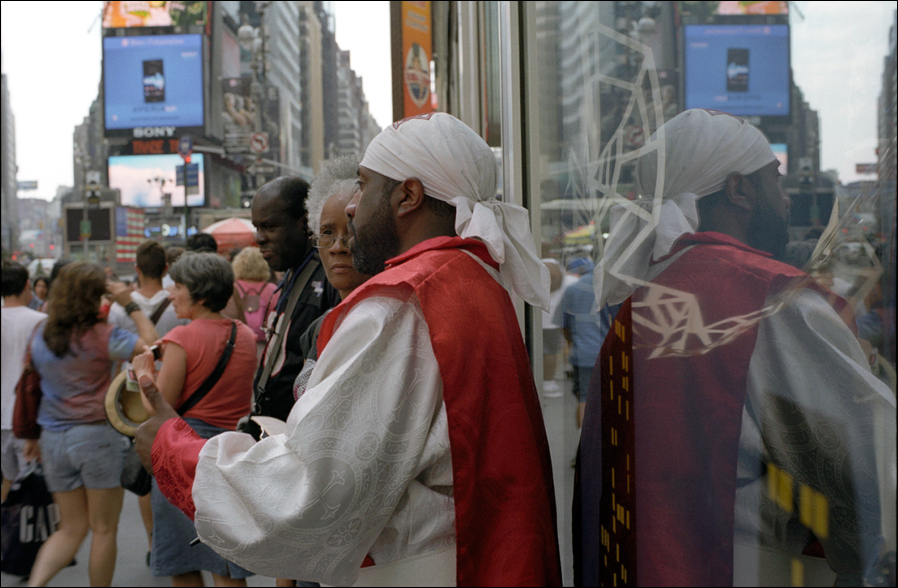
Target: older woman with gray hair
x,y
203,283
330,192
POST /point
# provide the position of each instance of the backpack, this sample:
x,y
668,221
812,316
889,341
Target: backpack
x,y
253,307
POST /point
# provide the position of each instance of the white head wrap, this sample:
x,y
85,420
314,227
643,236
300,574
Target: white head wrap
x,y
689,157
456,166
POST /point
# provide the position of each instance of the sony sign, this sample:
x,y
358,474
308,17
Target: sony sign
x,y
153,132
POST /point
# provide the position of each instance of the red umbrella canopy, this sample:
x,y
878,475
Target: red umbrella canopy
x,y
232,233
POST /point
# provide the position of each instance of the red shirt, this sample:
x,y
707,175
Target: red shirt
x,y
204,341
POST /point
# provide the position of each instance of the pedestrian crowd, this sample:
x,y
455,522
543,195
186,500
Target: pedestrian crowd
x,y
352,402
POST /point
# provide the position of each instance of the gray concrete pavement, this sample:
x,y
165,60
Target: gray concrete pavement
x,y
131,568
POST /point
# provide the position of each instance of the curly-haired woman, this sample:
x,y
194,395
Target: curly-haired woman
x,y
73,352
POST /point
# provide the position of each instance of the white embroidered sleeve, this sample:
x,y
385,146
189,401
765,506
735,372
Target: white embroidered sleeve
x,y
366,468
816,412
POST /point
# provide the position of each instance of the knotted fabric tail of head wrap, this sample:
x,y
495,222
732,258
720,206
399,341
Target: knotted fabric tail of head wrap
x,y
688,158
456,166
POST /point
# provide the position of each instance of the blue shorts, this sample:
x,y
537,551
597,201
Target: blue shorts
x,y
84,455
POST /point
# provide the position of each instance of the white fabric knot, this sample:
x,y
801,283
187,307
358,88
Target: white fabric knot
x,y
688,158
456,166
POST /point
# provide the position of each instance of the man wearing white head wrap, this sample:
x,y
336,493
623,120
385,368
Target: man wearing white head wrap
x,y
419,443
456,166
698,151
731,371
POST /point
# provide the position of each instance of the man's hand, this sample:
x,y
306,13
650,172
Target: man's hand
x,y
119,292
146,433
144,365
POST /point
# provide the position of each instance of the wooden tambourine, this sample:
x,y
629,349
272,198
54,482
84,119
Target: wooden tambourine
x,y
124,409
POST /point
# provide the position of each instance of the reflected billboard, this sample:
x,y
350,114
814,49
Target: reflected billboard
x,y
780,7
781,152
154,14
153,81
739,69
143,179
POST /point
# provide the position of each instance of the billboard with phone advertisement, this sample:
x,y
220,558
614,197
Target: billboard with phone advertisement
x,y
144,179
741,69
152,81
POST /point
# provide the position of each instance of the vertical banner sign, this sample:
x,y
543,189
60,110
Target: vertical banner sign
x,y
412,51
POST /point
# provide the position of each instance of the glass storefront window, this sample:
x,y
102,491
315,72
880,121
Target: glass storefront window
x,y
724,439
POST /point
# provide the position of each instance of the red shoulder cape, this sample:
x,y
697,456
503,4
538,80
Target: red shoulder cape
x,y
502,474
661,435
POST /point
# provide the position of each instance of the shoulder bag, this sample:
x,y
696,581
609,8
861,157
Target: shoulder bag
x,y
28,400
27,518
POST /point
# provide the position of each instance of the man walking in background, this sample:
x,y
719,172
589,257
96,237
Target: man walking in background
x,y
19,323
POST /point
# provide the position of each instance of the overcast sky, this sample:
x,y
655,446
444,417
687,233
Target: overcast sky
x,y
51,55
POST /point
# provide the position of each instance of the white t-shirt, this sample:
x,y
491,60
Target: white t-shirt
x,y
17,327
168,321
824,438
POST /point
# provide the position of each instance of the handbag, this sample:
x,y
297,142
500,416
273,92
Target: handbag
x,y
134,476
28,401
27,518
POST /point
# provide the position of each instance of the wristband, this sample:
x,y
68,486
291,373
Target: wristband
x,y
131,307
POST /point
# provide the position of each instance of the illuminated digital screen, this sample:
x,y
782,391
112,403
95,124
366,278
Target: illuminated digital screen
x,y
153,81
781,151
143,179
154,14
739,69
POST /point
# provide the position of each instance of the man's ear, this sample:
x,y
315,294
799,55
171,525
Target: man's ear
x,y
409,196
739,191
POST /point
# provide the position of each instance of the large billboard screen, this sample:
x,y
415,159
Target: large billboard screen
x,y
153,81
740,69
154,14
143,179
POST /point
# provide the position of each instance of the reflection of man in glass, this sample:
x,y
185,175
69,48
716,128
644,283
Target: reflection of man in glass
x,y
736,425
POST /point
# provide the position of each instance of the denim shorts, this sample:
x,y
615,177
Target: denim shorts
x,y
88,455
